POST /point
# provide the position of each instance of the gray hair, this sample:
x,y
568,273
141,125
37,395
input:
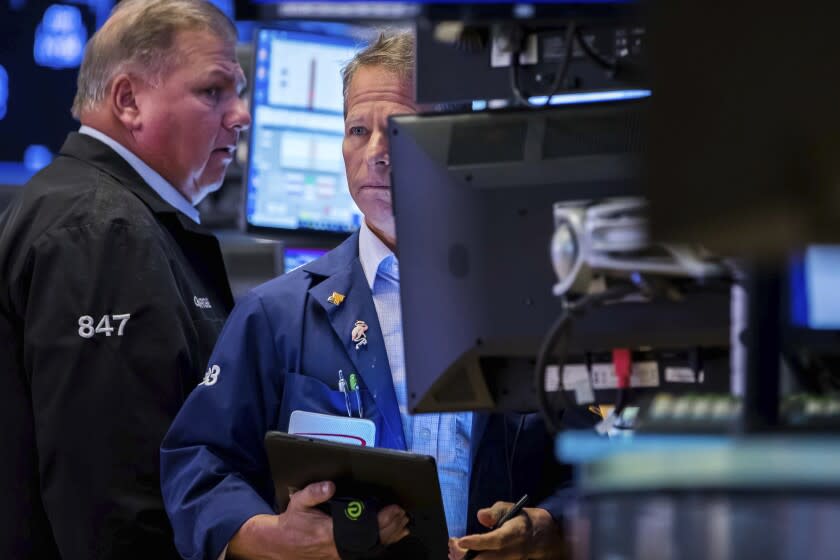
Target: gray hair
x,y
139,37
393,51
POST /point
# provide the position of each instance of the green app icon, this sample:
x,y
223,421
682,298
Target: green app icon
x,y
354,510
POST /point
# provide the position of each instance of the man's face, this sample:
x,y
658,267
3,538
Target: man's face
x,y
190,122
374,94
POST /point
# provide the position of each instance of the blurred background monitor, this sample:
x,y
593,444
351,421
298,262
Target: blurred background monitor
x,y
295,182
41,47
249,261
473,197
815,298
814,303
266,10
295,257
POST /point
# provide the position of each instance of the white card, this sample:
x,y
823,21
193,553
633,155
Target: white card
x,y
340,429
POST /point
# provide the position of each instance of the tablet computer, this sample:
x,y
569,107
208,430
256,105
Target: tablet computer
x,y
392,477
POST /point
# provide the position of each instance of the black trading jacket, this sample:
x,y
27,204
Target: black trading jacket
x,y
110,303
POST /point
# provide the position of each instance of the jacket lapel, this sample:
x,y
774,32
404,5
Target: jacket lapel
x,y
370,360
479,424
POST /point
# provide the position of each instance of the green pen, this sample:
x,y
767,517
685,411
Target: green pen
x,y
354,387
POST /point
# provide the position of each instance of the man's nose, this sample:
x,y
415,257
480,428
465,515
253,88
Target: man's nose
x,y
238,118
378,150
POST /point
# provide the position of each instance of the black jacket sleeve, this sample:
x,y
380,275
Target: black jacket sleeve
x,y
107,339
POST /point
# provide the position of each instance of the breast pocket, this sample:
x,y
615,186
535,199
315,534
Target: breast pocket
x,y
303,392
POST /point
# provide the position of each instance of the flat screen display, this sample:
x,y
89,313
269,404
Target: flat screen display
x,y
41,47
295,178
815,297
295,257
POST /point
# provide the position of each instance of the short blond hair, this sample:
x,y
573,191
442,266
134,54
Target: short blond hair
x,y
392,50
138,37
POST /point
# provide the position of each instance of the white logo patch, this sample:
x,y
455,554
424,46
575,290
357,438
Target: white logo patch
x,y
202,302
211,376
87,330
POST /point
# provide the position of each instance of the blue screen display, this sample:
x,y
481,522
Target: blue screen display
x,y
294,257
42,47
295,177
815,297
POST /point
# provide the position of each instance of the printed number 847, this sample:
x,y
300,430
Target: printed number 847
x,y
87,330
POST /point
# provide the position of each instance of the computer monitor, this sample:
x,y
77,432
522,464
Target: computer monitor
x,y
815,300
813,310
473,197
41,50
347,10
249,261
295,257
295,179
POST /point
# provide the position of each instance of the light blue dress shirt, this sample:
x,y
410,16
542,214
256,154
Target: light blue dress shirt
x,y
446,437
160,185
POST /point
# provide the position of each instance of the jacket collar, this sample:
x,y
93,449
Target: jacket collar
x,y
151,177
89,149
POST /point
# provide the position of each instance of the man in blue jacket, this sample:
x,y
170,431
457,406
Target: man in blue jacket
x,y
281,351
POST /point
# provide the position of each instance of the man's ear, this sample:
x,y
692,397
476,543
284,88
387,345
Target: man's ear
x,y
123,94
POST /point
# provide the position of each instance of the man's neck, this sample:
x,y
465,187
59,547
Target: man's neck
x,y
390,241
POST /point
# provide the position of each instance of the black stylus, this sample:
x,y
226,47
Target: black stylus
x,y
511,513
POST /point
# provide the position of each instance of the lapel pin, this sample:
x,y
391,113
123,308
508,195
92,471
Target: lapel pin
x,y
336,298
358,335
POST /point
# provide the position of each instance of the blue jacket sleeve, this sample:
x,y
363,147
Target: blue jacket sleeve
x,y
214,471
558,503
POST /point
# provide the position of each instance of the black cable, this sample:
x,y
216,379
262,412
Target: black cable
x,y
621,400
590,52
559,76
514,81
560,329
555,344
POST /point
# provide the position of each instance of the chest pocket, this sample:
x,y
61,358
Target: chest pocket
x,y
304,392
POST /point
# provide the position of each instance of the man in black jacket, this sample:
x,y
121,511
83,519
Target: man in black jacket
x,y
111,294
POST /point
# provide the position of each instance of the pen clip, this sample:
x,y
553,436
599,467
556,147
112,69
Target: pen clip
x,y
342,386
354,387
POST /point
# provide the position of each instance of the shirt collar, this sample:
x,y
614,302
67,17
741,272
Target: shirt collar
x,y
158,184
372,251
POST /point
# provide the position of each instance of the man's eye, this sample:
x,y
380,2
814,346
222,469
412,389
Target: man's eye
x,y
357,130
212,92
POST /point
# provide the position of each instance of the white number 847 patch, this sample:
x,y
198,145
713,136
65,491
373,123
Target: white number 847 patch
x,y
211,376
87,330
